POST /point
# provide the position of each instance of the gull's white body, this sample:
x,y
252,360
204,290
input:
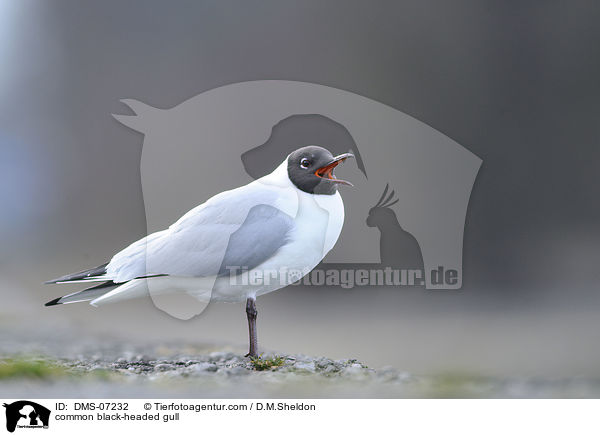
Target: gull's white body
x,y
190,252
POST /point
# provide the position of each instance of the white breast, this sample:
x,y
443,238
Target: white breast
x,y
318,223
334,206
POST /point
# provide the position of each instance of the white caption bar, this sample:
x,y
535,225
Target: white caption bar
x,y
160,416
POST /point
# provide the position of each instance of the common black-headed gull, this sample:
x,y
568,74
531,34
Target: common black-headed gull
x,y
238,245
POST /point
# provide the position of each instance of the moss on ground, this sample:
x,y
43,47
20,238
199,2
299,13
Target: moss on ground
x,y
260,364
457,385
32,368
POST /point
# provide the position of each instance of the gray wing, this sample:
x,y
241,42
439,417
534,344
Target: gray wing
x,y
265,230
242,227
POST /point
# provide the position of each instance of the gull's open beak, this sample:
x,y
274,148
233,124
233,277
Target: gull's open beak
x,y
327,170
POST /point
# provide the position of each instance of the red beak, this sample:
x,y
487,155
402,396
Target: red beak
x,y
327,170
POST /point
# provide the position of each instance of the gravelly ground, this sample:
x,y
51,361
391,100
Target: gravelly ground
x,y
113,369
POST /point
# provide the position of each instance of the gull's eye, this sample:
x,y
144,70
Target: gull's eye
x,y
305,163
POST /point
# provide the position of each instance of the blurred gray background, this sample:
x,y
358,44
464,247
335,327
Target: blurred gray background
x,y
514,82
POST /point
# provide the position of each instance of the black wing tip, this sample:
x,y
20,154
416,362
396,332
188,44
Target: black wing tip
x,y
94,272
53,302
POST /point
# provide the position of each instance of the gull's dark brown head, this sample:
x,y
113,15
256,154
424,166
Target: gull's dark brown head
x,y
311,170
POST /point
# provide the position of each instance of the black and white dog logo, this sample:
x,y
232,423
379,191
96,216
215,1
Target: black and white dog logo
x,y
26,414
